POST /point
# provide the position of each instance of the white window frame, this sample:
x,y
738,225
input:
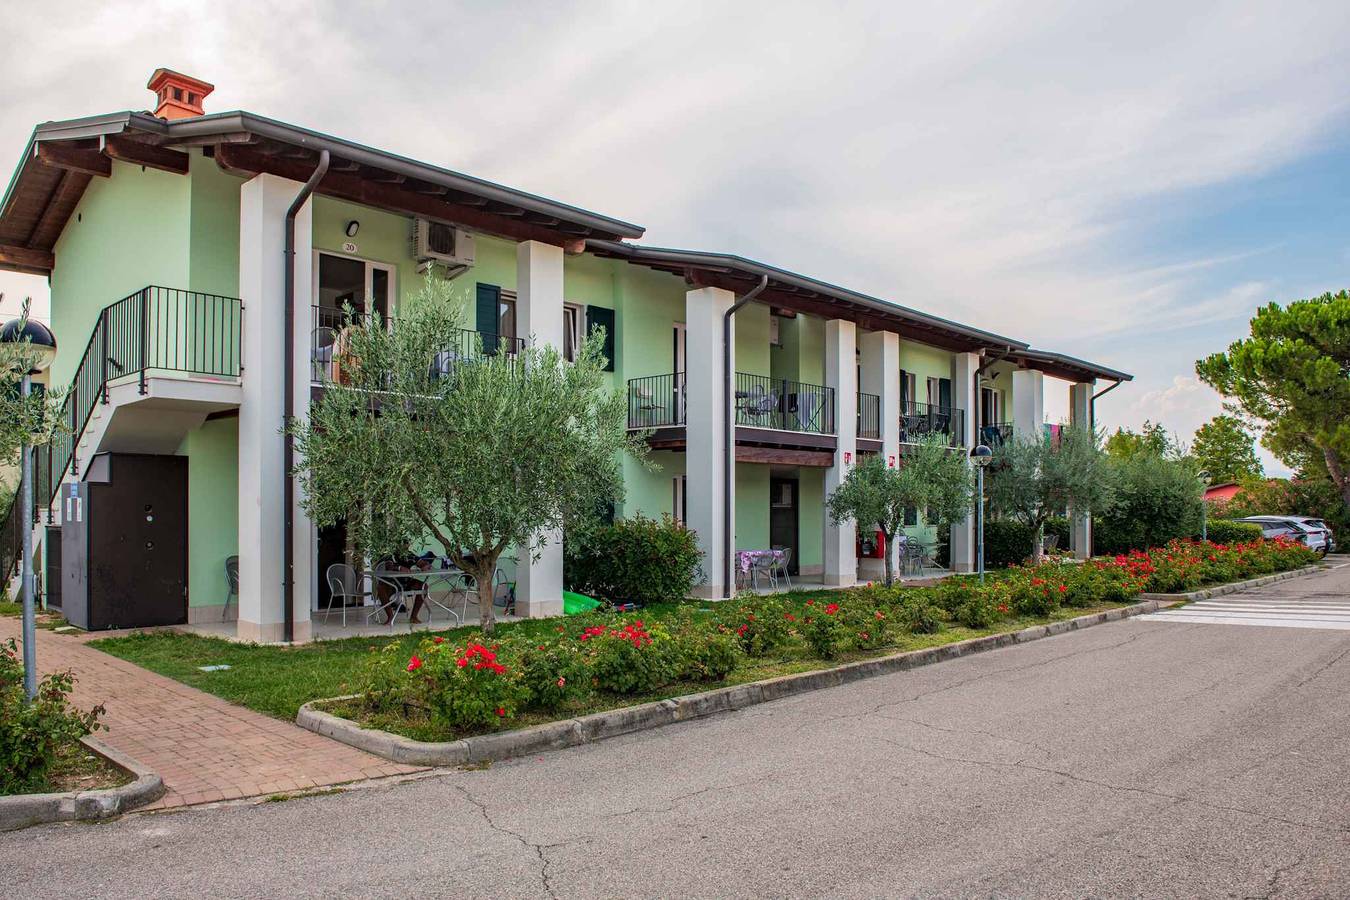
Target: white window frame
x,y
934,391
576,331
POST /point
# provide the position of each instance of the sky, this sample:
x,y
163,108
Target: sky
x,y
1121,181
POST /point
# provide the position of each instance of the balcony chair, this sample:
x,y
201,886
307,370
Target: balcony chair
x,y
323,341
759,403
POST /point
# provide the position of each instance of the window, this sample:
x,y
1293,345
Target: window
x,y
572,337
908,388
911,516
989,411
934,391
506,315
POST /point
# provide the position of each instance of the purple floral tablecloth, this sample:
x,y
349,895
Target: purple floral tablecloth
x,y
745,559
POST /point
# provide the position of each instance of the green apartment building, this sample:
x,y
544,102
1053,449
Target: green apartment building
x,y
186,331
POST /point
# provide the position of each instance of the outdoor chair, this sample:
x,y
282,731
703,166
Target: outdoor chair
x,y
1049,543
344,585
442,588
782,565
765,565
324,341
759,403
231,584
387,578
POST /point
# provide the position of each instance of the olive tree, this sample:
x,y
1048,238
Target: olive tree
x,y
476,451
24,420
1032,479
931,475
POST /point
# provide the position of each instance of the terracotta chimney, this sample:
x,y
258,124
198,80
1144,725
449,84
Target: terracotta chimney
x,y
180,96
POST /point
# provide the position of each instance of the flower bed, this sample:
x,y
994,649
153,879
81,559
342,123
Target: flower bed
x,y
450,689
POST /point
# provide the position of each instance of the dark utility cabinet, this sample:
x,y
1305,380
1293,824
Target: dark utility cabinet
x,y
124,542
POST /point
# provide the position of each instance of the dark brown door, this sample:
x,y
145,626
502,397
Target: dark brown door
x,y
783,516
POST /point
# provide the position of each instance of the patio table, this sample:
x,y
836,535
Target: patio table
x,y
746,559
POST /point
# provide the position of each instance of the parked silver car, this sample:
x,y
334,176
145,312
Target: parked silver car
x,y
1315,539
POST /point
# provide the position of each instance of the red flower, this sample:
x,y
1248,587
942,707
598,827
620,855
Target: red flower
x,y
501,710
1063,588
438,640
832,609
790,617
810,603
415,663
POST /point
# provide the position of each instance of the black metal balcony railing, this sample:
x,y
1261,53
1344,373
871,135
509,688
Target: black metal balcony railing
x,y
155,329
918,420
656,401
764,402
327,324
996,434
869,416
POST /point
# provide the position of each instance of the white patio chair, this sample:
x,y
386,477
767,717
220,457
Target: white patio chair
x,y
782,564
442,588
764,565
344,584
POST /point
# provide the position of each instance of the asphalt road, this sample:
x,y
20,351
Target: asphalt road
x,y
1145,759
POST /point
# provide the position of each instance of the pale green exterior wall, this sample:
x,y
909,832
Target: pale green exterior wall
x,y
128,231
213,507
810,516
925,362
213,261
752,506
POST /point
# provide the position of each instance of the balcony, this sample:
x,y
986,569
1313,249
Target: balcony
x,y
918,420
658,401
779,404
327,343
869,417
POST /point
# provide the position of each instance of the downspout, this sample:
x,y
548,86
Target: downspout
x,y
728,460
1092,406
288,457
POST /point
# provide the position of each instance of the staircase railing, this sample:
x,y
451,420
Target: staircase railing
x,y
154,329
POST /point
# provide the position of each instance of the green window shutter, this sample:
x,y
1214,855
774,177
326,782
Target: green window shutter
x,y
486,315
598,316
904,390
945,393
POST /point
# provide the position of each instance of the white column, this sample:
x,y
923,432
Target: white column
x,y
263,202
880,358
539,317
841,374
707,456
1028,402
1080,416
964,366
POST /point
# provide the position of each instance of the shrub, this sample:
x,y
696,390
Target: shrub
x,y
709,656
1008,542
918,614
639,559
1157,500
979,611
867,626
629,658
1226,531
33,734
822,628
761,625
552,673
465,686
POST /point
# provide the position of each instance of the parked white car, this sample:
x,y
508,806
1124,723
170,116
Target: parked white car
x,y
1315,539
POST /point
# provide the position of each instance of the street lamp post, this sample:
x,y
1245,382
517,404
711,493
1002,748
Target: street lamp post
x,y
980,456
1204,506
25,331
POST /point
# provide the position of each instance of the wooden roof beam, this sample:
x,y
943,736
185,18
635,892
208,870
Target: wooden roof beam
x,y
393,198
141,154
25,259
76,159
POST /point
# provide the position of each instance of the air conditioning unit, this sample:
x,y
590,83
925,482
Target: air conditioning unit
x,y
438,242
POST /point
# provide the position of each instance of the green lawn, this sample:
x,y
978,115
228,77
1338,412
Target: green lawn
x,y
278,680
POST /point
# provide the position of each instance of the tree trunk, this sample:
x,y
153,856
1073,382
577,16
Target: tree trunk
x,y
1337,472
886,556
482,576
1038,544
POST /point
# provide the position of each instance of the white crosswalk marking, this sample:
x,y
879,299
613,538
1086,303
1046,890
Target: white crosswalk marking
x,y
1269,608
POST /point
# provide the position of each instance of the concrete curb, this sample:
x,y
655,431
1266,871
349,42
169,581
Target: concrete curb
x,y
1233,587
601,725
23,810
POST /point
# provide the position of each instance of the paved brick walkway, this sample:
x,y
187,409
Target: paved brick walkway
x,y
206,749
